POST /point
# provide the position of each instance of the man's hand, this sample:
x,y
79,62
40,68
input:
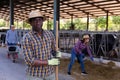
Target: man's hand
x,y
58,54
54,61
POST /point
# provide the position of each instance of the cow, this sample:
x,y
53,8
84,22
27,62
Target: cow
x,y
104,44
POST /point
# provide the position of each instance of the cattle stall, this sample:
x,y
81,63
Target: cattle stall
x,y
106,44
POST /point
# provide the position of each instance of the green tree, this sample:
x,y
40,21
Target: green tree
x,y
116,21
22,24
2,23
79,24
48,25
26,25
100,22
66,25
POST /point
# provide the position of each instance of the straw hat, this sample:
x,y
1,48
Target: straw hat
x,y
34,14
86,36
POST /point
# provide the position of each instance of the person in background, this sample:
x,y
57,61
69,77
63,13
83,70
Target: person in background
x,y
11,37
77,51
37,46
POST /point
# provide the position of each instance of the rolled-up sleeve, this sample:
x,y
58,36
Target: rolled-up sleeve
x,y
27,50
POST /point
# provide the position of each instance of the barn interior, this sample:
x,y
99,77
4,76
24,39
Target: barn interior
x,y
103,43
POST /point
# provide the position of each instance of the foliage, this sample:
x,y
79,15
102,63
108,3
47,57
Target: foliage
x,y
22,25
66,25
2,23
116,20
79,24
26,25
48,25
101,22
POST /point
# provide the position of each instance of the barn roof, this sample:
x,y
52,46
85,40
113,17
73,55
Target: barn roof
x,y
68,8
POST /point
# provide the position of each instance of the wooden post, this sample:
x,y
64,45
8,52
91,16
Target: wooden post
x,y
56,69
56,25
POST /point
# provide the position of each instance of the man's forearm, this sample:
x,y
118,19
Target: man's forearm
x,y
40,62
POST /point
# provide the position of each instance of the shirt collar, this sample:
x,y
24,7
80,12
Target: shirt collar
x,y
34,32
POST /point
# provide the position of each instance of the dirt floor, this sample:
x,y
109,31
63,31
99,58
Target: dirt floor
x,y
95,71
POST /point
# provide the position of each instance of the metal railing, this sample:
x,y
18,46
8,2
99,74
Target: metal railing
x,y
100,42
106,44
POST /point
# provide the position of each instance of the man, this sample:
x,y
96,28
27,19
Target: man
x,y
11,37
77,51
37,46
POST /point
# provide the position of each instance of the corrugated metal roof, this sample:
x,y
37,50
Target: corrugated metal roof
x,y
77,8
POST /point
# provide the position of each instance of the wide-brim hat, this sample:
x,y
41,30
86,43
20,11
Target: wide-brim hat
x,y
35,14
86,36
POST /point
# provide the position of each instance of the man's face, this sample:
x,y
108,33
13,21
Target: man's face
x,y
36,24
12,28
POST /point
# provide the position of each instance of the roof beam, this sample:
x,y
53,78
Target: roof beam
x,y
76,8
93,4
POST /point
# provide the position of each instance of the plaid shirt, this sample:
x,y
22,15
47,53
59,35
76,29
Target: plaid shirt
x,y
38,47
79,46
